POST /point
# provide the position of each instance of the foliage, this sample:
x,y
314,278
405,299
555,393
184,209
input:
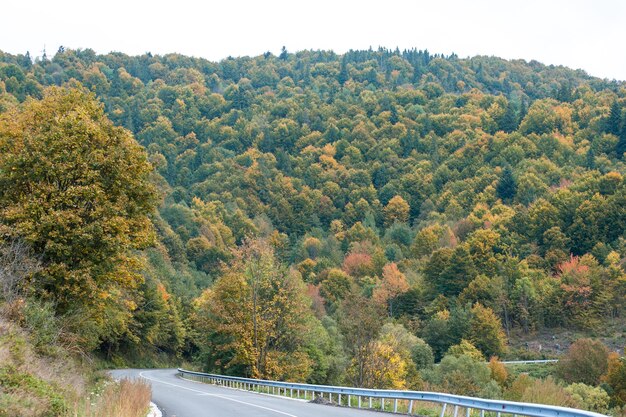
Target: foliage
x,y
547,391
402,186
590,398
258,309
466,348
586,361
76,189
486,331
460,375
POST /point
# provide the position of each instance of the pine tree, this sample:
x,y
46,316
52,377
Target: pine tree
x,y
507,186
614,120
283,53
509,122
343,73
621,143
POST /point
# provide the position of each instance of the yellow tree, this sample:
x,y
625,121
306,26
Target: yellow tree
x,y
257,314
396,211
76,188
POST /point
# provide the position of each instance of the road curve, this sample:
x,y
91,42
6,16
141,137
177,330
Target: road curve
x,y
178,397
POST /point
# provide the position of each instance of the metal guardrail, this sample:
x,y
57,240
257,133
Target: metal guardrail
x,y
533,361
347,394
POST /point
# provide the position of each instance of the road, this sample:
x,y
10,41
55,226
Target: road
x,y
177,397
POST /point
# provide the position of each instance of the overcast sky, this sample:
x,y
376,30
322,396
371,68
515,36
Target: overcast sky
x,y
587,34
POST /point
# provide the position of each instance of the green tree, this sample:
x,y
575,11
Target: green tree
x,y
486,331
507,186
77,189
614,120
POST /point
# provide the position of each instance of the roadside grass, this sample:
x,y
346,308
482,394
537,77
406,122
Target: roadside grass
x,y
126,398
42,377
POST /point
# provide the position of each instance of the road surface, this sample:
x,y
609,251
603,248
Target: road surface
x,y
178,397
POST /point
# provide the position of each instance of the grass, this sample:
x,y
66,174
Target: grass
x,y
126,398
39,377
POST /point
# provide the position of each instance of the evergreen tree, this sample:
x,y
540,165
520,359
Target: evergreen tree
x,y
621,143
507,186
283,53
614,120
508,122
343,73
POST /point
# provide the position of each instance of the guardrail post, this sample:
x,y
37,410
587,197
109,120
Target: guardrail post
x,y
395,405
410,406
370,402
291,392
456,410
468,412
359,401
330,397
339,398
443,410
382,404
482,413
349,400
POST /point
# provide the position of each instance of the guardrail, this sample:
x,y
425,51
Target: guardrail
x,y
354,397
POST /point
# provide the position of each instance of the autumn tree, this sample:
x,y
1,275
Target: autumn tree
x,y
397,210
256,315
586,361
393,284
360,321
76,189
486,331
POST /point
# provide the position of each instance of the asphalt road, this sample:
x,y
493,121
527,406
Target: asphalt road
x,y
178,397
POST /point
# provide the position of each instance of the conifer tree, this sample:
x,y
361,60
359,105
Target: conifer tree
x,y
507,186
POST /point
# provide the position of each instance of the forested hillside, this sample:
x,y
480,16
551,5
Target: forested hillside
x,y
334,218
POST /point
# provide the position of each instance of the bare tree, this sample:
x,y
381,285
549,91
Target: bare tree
x,y
16,264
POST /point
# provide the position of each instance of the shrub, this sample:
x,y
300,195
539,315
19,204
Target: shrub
x,y
547,391
461,375
498,371
585,361
422,355
466,348
590,398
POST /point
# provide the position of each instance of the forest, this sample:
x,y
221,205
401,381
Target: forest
x,y
319,217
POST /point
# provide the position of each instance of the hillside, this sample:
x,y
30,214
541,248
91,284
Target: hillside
x,y
318,210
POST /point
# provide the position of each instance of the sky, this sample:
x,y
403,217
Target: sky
x,y
585,34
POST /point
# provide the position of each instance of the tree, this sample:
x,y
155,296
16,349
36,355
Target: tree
x,y
457,274
486,331
393,284
616,379
360,321
397,210
509,121
283,54
466,348
614,121
507,186
76,189
498,371
256,317
585,361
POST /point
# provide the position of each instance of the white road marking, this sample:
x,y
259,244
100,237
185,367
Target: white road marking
x,y
141,374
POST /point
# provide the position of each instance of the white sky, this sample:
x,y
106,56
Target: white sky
x,y
587,34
